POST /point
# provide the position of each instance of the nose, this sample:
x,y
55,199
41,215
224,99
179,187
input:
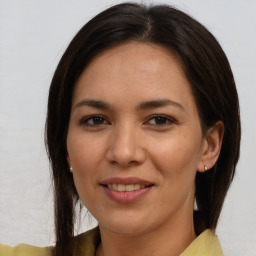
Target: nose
x,y
125,147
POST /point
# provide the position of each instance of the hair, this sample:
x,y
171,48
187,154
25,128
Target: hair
x,y
207,69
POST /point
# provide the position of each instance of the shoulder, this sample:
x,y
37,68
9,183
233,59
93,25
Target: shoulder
x,y
86,242
24,250
207,244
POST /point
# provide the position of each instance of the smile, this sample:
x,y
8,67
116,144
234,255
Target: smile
x,y
128,188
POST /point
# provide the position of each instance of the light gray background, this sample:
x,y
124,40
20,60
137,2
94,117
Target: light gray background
x,y
33,36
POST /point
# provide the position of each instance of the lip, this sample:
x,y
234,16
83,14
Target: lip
x,y
125,197
126,181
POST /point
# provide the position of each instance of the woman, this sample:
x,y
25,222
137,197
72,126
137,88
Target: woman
x,y
143,129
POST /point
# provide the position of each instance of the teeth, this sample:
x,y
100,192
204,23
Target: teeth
x,y
137,186
129,187
122,187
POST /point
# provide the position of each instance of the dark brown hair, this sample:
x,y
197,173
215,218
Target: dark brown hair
x,y
206,68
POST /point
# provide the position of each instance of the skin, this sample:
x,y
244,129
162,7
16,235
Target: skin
x,y
127,140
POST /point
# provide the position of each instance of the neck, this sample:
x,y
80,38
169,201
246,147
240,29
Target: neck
x,y
170,239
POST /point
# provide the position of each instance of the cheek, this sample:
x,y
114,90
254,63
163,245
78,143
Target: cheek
x,y
84,158
176,160
85,152
86,155
176,156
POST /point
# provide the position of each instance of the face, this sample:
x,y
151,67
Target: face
x,y
134,141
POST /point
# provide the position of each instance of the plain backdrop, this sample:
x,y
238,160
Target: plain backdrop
x,y
33,36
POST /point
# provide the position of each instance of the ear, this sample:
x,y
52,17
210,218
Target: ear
x,y
70,167
68,159
211,147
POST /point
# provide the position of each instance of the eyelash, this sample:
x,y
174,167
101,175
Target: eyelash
x,y
162,118
94,117
104,121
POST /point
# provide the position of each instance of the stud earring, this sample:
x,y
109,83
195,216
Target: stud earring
x,y
205,168
70,168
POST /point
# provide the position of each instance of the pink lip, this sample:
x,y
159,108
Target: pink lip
x,y
125,196
126,181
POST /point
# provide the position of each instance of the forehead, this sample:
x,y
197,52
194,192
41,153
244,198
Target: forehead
x,y
141,71
142,54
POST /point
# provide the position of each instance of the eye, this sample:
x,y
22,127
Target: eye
x,y
160,120
94,121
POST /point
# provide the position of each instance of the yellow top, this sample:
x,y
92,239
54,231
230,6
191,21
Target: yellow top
x,y
206,244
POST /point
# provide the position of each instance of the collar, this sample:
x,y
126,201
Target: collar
x,y
206,244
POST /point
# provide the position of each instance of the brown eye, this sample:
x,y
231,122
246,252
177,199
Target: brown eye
x,y
94,121
160,120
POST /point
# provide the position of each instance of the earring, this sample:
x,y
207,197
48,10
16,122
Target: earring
x,y
70,168
205,168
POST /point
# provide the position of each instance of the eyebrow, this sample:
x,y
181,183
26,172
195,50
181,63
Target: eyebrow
x,y
93,103
159,103
143,105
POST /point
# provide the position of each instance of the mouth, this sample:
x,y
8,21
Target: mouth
x,y
126,190
126,184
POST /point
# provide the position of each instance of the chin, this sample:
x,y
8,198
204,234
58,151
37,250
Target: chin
x,y
126,225
126,230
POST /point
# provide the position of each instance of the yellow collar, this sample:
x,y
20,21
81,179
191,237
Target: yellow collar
x,y
206,244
